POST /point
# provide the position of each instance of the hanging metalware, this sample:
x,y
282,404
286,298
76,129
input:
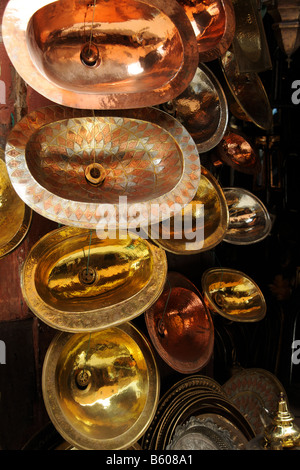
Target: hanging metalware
x,y
119,54
101,389
75,281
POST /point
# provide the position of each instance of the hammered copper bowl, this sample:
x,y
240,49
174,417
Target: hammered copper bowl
x,y
75,281
233,295
101,55
101,389
15,216
249,219
147,164
237,151
180,326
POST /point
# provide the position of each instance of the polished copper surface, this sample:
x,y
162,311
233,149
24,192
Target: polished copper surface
x,y
180,326
206,221
202,109
101,55
114,407
249,219
15,216
250,101
250,43
233,295
150,165
213,22
76,282
237,151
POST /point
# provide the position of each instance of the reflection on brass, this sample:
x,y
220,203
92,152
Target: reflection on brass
x,y
249,101
239,153
250,44
15,216
117,405
202,225
202,109
286,25
149,160
180,326
213,22
233,294
283,432
74,281
249,219
116,54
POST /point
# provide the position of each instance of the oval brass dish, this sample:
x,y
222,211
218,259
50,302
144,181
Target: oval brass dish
x,y
149,159
214,25
101,55
205,221
74,281
180,326
249,219
15,216
250,100
233,295
113,407
202,109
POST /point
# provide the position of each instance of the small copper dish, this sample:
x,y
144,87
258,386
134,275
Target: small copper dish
x,y
249,101
202,224
76,282
237,151
249,219
150,166
101,389
15,216
214,25
202,109
233,295
119,54
180,326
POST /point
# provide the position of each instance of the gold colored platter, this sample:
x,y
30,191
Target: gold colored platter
x,y
151,166
233,295
119,54
15,216
203,224
101,389
76,282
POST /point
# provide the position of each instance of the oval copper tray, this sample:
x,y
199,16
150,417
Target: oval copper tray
x,y
237,151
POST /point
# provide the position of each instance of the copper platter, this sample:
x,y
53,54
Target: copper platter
x,y
233,295
119,54
214,26
250,101
76,282
15,216
249,219
255,392
205,219
148,158
101,389
180,326
202,109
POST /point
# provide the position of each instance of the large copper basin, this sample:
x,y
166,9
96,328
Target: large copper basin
x,y
15,216
233,295
74,281
201,226
101,55
101,389
180,326
149,162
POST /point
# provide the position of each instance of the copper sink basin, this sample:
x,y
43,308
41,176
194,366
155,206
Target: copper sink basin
x,y
15,216
180,326
149,165
76,282
101,55
101,389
